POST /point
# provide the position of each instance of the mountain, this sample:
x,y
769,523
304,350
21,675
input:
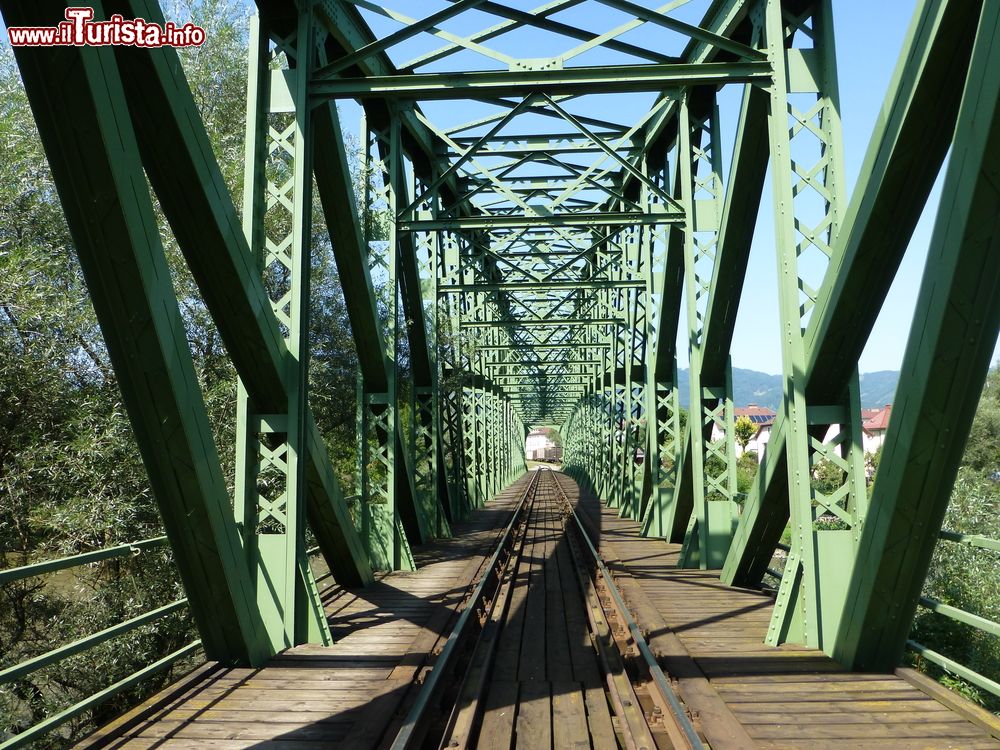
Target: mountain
x,y
753,387
878,388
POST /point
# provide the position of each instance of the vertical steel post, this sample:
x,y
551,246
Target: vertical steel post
x,y
271,481
808,198
712,459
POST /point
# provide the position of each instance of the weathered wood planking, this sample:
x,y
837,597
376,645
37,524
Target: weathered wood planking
x,y
313,697
785,697
546,688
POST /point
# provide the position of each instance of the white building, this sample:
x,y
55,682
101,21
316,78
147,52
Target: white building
x,y
762,419
536,444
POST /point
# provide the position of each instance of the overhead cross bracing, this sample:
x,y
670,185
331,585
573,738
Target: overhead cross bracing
x,y
547,205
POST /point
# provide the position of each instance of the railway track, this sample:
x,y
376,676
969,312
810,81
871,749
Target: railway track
x,y
545,653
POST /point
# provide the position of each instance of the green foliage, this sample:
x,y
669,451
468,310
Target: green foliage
x,y
827,477
553,435
872,461
747,467
743,431
982,450
71,478
964,576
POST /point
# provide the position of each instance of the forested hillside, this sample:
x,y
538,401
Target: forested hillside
x,y
762,389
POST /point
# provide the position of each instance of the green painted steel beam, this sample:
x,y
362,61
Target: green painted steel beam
x,y
903,159
743,195
336,193
537,139
581,219
550,323
696,33
947,358
579,80
540,347
91,147
541,286
181,166
549,149
727,18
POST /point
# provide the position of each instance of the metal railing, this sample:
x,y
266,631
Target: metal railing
x,y
956,614
56,655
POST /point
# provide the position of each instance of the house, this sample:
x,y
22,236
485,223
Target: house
x,y
874,423
762,419
536,444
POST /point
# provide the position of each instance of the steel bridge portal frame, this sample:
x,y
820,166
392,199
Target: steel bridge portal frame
x,y
494,282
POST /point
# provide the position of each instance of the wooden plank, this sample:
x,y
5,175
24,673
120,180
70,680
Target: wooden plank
x,y
281,717
585,669
964,708
256,730
602,730
531,664
818,709
877,743
843,717
559,663
790,697
186,685
863,732
375,717
157,743
312,696
569,717
497,728
534,716
721,727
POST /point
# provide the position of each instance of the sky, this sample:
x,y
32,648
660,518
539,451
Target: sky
x,y
869,36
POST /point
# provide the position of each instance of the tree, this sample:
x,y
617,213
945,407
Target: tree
x,y
71,478
743,431
964,576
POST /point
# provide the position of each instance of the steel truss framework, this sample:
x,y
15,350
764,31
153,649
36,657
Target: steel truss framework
x,y
529,266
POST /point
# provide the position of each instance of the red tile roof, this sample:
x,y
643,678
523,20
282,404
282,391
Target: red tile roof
x,y
876,420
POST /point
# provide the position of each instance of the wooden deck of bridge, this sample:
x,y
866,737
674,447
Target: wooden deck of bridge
x,y
345,695
710,636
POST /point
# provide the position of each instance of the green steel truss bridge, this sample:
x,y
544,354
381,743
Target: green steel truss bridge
x,y
531,235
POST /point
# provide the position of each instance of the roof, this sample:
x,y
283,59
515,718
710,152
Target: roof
x,y
876,420
760,416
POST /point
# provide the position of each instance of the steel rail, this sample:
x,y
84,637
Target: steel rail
x,y
637,734
656,673
413,729
88,642
43,727
85,558
467,712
